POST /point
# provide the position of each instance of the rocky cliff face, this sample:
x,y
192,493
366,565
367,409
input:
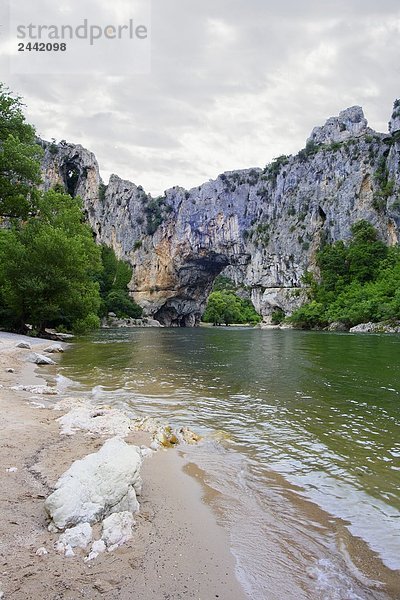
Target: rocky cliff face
x,y
263,227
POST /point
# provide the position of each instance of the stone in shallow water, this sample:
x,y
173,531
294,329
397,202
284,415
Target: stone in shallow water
x,y
163,434
54,349
97,486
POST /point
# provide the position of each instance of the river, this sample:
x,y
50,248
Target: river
x,y
301,461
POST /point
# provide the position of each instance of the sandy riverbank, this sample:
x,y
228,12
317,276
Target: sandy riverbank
x,y
177,549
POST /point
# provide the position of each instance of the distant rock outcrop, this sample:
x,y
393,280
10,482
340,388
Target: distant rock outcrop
x,y
263,227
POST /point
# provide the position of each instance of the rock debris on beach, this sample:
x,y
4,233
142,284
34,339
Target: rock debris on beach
x,y
97,421
25,345
36,389
105,420
39,359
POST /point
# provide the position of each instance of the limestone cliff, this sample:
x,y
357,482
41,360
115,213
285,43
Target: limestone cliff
x,y
263,226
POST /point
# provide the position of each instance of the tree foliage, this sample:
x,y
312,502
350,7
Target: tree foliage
x,y
19,160
225,307
52,274
48,266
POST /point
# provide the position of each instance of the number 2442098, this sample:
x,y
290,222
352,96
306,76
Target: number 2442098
x,y
42,47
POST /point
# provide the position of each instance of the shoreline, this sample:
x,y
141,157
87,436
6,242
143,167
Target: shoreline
x,y
178,550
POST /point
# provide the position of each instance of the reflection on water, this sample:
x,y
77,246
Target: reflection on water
x,y
309,416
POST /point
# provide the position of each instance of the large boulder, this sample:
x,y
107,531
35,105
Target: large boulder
x,y
100,484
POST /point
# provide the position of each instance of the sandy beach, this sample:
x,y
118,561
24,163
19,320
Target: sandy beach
x,y
177,550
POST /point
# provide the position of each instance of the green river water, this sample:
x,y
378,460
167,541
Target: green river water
x,y
302,444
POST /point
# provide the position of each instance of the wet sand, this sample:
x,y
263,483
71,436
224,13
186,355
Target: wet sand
x,y
177,551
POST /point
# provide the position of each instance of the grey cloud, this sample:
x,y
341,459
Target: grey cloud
x,y
233,84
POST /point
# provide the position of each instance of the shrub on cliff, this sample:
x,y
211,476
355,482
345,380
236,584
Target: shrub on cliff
x,y
114,280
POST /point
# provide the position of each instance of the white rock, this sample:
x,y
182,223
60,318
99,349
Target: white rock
x,y
69,552
101,421
36,389
117,529
145,451
79,536
41,551
54,349
97,548
69,403
35,404
96,486
39,359
25,345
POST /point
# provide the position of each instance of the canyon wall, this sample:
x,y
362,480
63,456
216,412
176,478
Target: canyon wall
x,y
262,227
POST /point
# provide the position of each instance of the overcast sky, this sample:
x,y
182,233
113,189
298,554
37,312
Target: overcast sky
x,y
233,84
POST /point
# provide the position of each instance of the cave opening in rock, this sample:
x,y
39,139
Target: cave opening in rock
x,y
321,214
196,280
71,178
199,279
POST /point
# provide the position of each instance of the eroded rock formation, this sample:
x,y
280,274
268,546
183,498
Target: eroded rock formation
x,y
263,227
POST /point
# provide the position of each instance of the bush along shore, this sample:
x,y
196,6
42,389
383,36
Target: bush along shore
x,y
358,288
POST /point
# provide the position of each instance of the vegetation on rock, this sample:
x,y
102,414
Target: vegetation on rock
x,y
359,282
114,281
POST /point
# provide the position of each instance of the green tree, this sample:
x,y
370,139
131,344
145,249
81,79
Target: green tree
x,y
365,252
225,307
48,267
19,160
333,265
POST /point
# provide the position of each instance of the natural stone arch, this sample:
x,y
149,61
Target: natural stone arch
x,y
196,278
